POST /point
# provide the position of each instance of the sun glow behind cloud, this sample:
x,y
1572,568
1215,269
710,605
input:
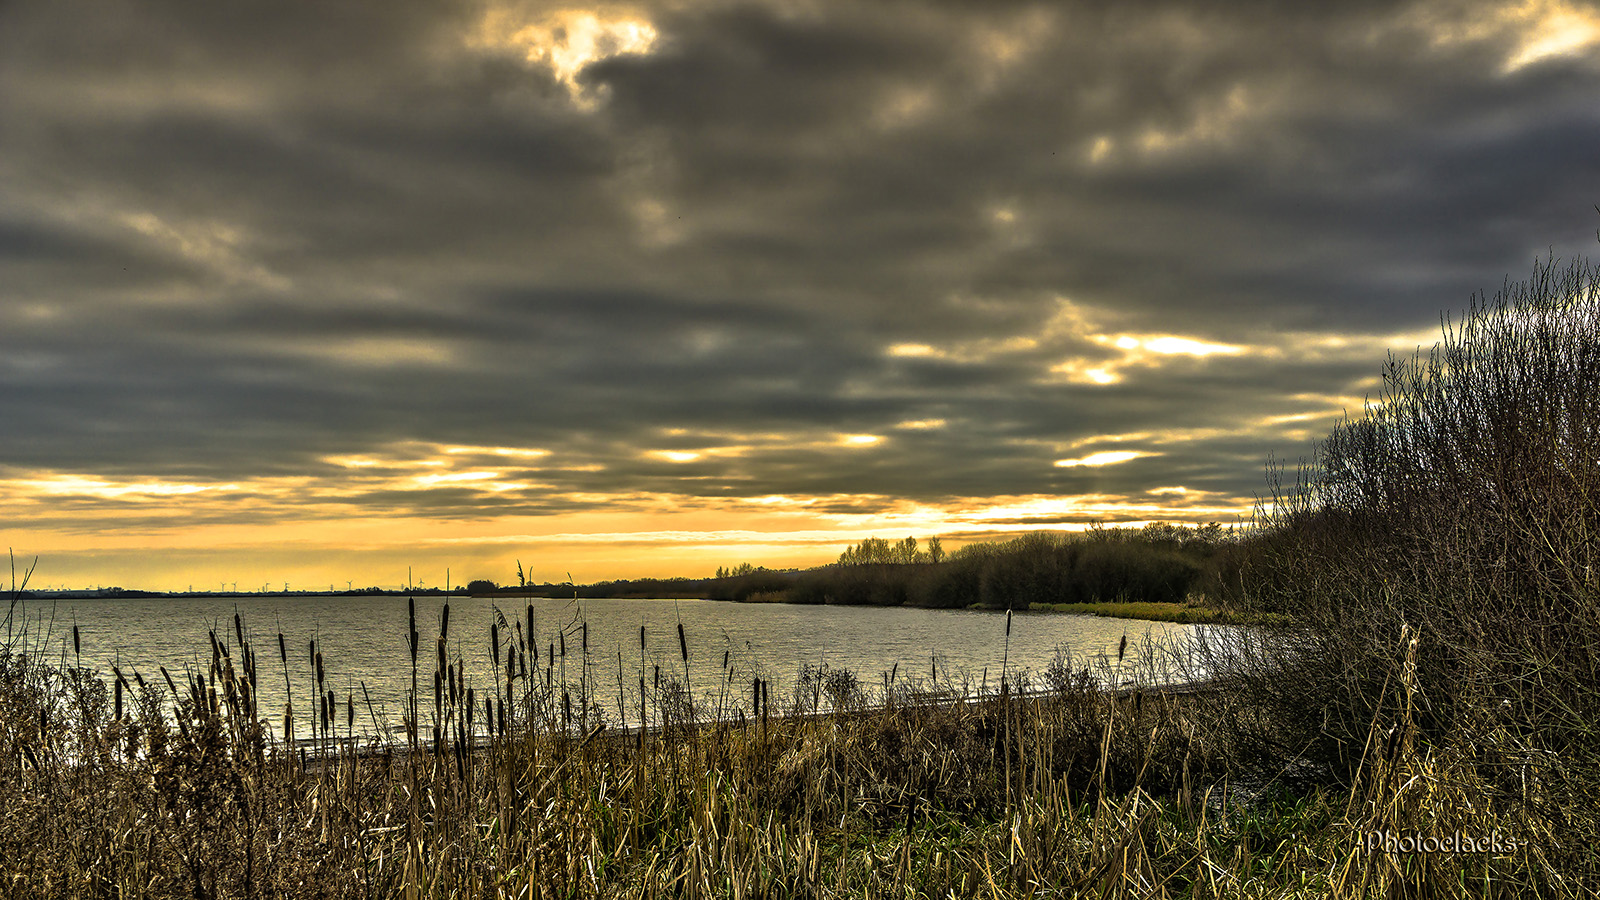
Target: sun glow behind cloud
x,y
1557,30
291,527
385,505
1531,32
566,41
676,456
506,502
1103,458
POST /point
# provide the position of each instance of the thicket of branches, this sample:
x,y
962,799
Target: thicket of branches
x,y
1458,516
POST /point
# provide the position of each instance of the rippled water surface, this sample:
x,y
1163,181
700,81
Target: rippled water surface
x,y
363,641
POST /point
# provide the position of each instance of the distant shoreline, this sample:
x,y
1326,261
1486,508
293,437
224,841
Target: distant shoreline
x,y
129,594
1180,613
1150,611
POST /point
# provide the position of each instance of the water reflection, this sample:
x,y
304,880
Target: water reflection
x,y
364,646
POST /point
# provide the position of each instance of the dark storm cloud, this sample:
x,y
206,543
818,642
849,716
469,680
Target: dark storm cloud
x,y
237,240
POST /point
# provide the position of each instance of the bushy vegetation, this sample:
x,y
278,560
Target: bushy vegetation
x,y
1448,539
1159,563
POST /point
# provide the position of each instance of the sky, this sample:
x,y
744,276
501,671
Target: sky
x,y
323,292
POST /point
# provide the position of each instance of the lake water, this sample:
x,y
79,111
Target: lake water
x,y
363,642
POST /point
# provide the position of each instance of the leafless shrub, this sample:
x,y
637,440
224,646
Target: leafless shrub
x,y
1461,508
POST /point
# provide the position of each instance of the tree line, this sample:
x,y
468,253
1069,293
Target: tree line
x,y
1158,563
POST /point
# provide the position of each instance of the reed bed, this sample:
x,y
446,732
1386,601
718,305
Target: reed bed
x,y
124,785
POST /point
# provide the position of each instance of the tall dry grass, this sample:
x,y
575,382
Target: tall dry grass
x,y
1058,786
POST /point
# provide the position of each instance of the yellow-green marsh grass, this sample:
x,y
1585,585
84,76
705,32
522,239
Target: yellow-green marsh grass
x,y
1067,791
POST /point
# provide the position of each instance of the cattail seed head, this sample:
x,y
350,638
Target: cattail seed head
x,y
494,638
683,645
411,625
444,623
283,649
76,647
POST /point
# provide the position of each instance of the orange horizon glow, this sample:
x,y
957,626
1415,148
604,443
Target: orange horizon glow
x,y
365,516
662,536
